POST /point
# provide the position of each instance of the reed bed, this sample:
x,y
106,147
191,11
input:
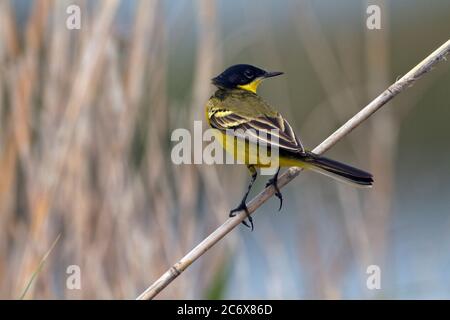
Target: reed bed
x,y
84,153
85,123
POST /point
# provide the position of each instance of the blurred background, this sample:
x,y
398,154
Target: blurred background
x,y
85,123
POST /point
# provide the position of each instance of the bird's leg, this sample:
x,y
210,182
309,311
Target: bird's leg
x,y
242,205
274,182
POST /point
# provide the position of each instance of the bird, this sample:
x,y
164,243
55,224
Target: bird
x,y
236,107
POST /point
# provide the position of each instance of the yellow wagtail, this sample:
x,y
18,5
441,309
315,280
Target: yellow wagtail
x,y
235,105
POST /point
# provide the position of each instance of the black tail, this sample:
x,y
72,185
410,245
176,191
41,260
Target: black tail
x,y
338,170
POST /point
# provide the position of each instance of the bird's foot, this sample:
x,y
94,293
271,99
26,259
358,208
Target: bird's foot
x,y
243,207
274,182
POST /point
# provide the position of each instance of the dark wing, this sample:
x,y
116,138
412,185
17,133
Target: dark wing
x,y
271,130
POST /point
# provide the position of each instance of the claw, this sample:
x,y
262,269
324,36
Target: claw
x,y
250,226
279,196
274,182
243,207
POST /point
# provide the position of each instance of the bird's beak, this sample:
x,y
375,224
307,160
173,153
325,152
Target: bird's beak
x,y
272,74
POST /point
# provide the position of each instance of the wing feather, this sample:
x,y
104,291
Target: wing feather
x,y
263,128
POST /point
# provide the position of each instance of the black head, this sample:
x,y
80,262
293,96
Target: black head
x,y
242,76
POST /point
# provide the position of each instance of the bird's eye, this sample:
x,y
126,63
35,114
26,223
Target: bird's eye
x,y
248,74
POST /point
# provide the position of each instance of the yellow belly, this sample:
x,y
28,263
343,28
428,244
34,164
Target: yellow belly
x,y
247,153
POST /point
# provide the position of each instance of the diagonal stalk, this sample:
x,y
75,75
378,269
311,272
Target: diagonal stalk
x,y
404,82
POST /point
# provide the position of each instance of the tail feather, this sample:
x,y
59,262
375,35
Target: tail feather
x,y
338,170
